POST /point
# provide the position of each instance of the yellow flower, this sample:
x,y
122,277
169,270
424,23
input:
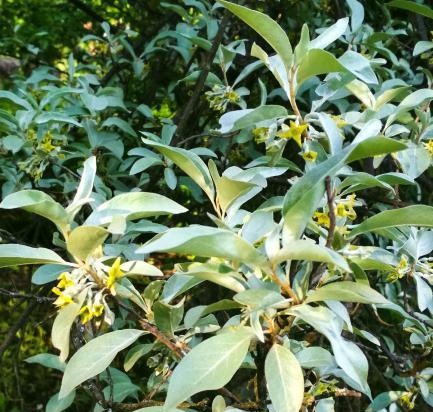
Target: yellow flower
x,y
429,147
293,132
322,219
310,156
65,282
97,310
62,299
46,143
345,207
260,134
340,210
87,313
114,273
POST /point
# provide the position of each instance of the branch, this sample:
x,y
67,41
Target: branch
x,y
192,102
332,218
87,9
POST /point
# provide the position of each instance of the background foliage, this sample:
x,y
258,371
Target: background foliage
x,y
267,241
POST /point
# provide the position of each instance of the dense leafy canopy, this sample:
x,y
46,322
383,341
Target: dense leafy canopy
x,y
216,206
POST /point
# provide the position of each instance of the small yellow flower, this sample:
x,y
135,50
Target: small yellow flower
x,y
293,132
114,273
64,281
345,207
429,147
260,134
340,210
87,313
47,144
97,310
62,299
310,156
322,219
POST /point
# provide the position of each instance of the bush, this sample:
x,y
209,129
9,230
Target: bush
x,y
250,238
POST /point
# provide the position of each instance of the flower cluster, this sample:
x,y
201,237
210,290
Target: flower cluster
x,y
221,96
96,282
344,208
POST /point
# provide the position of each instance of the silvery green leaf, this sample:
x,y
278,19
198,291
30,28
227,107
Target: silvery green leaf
x,y
208,366
284,379
95,356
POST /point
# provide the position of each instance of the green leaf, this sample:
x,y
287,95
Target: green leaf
x,y
384,399
208,366
84,240
134,205
57,405
48,273
265,27
204,241
317,62
357,14
48,360
308,250
242,119
346,291
412,6
413,100
15,255
15,99
228,190
63,323
121,124
347,355
214,273
331,34
56,117
95,356
85,187
190,163
135,353
284,379
37,202
304,44
421,47
416,215
375,146
315,357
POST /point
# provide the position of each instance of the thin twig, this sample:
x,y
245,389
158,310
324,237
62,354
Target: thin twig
x,y
192,102
331,211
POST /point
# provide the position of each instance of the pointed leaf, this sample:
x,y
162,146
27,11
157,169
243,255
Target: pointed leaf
x,y
204,241
85,187
83,240
416,215
284,379
308,250
412,6
38,202
269,29
95,356
134,205
317,62
15,255
346,291
210,365
62,325
189,162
